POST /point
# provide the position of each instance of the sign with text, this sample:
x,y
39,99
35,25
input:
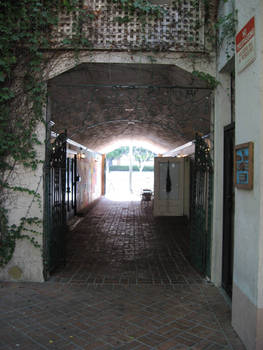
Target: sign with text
x,y
245,45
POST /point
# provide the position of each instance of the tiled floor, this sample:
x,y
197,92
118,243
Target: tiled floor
x,y
126,286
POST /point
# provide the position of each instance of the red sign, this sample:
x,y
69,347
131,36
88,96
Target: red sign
x,y
245,45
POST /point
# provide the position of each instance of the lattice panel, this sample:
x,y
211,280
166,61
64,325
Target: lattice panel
x,y
175,30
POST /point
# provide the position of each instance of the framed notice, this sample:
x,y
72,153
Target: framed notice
x,y
244,159
245,45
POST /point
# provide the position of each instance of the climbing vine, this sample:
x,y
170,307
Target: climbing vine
x,y
25,32
226,28
218,32
140,8
208,78
25,28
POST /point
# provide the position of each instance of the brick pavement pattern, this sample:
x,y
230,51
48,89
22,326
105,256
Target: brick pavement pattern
x,y
128,298
121,242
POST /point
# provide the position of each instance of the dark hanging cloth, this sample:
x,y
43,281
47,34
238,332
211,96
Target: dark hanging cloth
x,y
168,179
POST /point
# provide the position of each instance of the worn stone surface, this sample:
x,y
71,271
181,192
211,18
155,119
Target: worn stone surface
x,y
15,272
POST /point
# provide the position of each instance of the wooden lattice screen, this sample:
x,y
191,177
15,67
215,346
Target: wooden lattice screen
x,y
179,29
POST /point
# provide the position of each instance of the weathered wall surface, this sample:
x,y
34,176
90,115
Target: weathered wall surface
x,y
27,261
248,255
178,27
226,49
89,188
61,61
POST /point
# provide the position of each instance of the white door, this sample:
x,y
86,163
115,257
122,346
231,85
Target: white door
x,y
168,186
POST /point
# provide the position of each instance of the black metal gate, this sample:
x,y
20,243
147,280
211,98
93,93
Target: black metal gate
x,y
55,218
71,187
201,207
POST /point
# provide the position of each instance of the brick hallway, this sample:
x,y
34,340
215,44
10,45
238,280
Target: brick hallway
x,y
126,286
121,242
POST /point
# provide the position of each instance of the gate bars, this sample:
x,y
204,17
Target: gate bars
x,y
201,207
55,204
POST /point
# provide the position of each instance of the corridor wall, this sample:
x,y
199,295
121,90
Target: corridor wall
x,y
89,187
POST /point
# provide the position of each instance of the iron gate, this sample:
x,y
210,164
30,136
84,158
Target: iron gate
x,y
201,207
56,220
71,186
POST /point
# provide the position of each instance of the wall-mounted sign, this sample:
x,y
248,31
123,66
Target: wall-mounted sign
x,y
245,45
244,165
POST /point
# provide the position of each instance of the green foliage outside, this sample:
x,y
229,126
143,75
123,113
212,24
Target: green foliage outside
x,y
126,168
142,156
117,153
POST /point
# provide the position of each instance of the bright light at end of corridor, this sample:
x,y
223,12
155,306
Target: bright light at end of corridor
x,y
155,148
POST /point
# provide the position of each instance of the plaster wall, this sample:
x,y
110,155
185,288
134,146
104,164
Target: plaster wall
x,y
27,262
62,61
249,116
248,253
90,187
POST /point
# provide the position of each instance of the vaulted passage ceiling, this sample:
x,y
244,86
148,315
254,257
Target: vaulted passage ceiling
x,y
99,104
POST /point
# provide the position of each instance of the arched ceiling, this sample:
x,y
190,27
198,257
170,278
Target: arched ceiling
x,y
100,104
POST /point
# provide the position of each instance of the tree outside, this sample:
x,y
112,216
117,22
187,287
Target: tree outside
x,y
125,182
142,156
116,154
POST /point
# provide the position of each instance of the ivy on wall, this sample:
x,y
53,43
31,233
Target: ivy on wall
x,y
25,28
140,8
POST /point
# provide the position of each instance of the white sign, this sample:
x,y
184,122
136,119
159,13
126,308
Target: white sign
x,y
245,45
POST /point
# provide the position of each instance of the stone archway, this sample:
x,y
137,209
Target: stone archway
x,y
28,259
98,103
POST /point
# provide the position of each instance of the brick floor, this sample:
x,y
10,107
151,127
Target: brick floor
x,y
126,286
121,242
55,315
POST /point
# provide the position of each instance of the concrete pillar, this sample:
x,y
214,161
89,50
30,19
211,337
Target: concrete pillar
x,y
247,303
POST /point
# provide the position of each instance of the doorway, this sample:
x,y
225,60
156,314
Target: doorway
x,y
228,209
